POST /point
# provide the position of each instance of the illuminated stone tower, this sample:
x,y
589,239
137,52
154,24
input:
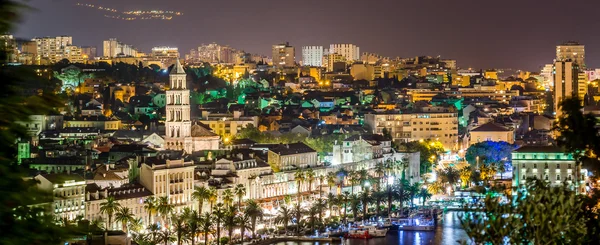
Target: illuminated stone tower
x,y
178,124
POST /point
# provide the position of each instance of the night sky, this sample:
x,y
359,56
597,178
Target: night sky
x,y
478,33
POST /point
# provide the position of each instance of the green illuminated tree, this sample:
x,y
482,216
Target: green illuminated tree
x,y
540,214
429,150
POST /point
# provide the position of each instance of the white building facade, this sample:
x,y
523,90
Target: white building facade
x,y
312,56
546,163
349,51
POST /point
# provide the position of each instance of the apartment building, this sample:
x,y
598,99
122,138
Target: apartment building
x,y
440,124
67,192
169,175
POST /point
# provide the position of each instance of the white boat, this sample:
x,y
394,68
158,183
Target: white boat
x,y
367,232
385,223
415,224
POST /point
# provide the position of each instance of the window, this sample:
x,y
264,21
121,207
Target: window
x,y
558,177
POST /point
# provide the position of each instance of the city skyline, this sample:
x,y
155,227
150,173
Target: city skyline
x,y
473,33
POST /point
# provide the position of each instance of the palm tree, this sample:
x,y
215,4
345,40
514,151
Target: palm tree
x,y
465,176
331,180
400,192
413,190
179,226
192,218
244,222
200,194
380,172
136,225
109,207
310,177
228,197
378,196
124,216
299,178
206,225
154,232
341,175
218,214
150,206
424,194
141,239
164,208
354,205
436,187
229,220
284,216
297,213
345,198
240,192
312,216
254,211
363,176
449,175
331,201
212,197
320,204
321,180
365,199
166,236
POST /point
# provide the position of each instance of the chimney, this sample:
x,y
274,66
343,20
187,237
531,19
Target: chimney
x,y
87,196
106,165
105,193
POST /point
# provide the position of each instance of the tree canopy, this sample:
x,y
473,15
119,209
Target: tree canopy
x,y
577,131
430,151
540,214
489,152
21,222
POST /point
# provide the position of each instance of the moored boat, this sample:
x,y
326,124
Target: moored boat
x,y
367,232
416,224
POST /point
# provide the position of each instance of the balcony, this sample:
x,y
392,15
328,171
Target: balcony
x,y
176,192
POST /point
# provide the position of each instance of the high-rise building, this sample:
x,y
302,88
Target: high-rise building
x,y
205,53
573,51
73,54
312,55
546,73
226,54
330,61
89,52
566,82
52,48
350,51
167,55
29,53
283,55
180,134
113,48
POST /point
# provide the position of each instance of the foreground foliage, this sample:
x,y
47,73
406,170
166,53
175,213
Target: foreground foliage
x,y
539,214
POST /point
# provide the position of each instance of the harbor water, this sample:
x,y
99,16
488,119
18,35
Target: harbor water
x,y
448,232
